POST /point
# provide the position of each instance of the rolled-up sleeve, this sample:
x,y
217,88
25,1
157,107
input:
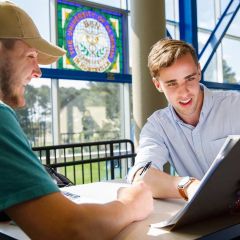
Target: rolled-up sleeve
x,y
151,148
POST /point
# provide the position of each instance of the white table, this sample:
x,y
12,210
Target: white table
x,y
103,192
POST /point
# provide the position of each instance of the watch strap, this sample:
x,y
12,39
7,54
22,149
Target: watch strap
x,y
183,189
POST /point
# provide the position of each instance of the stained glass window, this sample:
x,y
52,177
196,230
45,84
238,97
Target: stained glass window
x,y
92,37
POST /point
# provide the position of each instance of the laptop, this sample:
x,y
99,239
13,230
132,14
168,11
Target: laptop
x,y
216,194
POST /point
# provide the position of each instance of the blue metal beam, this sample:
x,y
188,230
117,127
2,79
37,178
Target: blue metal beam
x,y
218,33
168,34
86,76
188,22
224,86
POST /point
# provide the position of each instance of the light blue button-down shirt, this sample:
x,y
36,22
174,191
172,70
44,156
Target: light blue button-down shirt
x,y
190,150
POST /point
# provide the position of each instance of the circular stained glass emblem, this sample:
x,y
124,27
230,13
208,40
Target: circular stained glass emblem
x,y
90,41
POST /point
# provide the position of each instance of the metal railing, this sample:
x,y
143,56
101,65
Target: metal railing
x,y
87,136
90,162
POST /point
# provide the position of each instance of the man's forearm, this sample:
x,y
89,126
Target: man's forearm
x,y
55,217
162,184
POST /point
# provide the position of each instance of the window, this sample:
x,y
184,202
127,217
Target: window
x,y
36,118
231,71
92,36
172,18
206,14
223,68
96,110
89,111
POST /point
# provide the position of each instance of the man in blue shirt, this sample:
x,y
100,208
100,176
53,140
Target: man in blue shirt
x,y
191,130
27,193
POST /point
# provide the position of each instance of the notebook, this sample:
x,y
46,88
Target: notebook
x,y
216,194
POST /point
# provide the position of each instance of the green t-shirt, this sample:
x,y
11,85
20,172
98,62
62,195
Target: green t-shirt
x,y
22,176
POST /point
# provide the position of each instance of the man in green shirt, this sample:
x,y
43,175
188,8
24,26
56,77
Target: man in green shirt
x,y
28,194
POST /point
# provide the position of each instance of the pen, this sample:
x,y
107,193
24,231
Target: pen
x,y
145,168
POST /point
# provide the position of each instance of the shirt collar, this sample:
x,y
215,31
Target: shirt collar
x,y
206,107
207,102
6,105
3,103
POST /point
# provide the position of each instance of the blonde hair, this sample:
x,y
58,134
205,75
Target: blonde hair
x,y
165,52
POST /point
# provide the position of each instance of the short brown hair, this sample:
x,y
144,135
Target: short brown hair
x,y
165,52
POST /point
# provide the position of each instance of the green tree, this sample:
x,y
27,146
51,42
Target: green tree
x,y
35,116
228,75
72,96
110,97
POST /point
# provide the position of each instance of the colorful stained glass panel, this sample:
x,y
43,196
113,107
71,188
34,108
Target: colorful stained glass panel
x,y
92,37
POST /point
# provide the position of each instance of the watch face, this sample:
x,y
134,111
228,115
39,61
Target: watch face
x,y
184,181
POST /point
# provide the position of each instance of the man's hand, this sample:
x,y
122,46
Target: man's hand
x,y
138,199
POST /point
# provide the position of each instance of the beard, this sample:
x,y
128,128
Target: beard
x,y
7,83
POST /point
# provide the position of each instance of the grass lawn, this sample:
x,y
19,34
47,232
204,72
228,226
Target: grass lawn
x,y
83,172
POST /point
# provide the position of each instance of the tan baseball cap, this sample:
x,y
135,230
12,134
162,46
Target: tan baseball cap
x,y
17,24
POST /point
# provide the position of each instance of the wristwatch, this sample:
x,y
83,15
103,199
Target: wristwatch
x,y
183,185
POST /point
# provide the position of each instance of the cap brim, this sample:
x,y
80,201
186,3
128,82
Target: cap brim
x,y
47,52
